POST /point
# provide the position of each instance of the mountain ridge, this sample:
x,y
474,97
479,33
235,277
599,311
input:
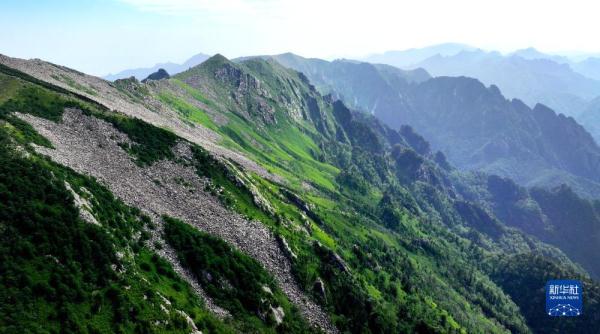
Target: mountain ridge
x,y
410,57
532,80
372,228
566,83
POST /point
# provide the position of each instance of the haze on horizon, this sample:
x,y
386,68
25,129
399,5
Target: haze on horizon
x,y
101,37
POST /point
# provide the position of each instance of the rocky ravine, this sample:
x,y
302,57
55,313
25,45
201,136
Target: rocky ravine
x,y
90,146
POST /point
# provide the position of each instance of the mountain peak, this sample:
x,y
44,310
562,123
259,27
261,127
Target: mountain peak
x,y
216,61
196,59
289,54
158,75
217,58
210,65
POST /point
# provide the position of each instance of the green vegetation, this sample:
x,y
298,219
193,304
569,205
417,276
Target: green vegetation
x,y
22,97
188,112
556,216
51,260
381,236
150,143
62,274
164,282
342,289
575,224
234,280
74,84
228,186
193,92
286,148
524,277
348,209
39,102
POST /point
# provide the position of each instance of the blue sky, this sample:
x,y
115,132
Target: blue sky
x,y
93,36
102,36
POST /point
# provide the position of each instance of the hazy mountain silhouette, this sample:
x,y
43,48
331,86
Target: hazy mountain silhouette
x,y
539,80
171,68
411,57
589,67
533,53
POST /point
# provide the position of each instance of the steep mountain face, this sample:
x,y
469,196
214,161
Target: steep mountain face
x,y
476,127
531,80
233,197
362,83
479,129
173,68
565,83
557,216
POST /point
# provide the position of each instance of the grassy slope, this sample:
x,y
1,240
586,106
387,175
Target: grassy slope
x,y
451,291
95,298
58,270
284,148
343,228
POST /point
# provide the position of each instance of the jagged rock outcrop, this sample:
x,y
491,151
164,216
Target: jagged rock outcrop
x,y
332,257
85,209
300,204
319,288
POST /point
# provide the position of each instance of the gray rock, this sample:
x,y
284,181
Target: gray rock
x,y
76,141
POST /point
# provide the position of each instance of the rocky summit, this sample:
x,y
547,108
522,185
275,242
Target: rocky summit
x,y
158,75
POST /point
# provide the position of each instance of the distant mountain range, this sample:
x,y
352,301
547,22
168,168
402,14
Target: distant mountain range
x,y
532,53
587,64
411,57
171,68
474,125
532,80
567,84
